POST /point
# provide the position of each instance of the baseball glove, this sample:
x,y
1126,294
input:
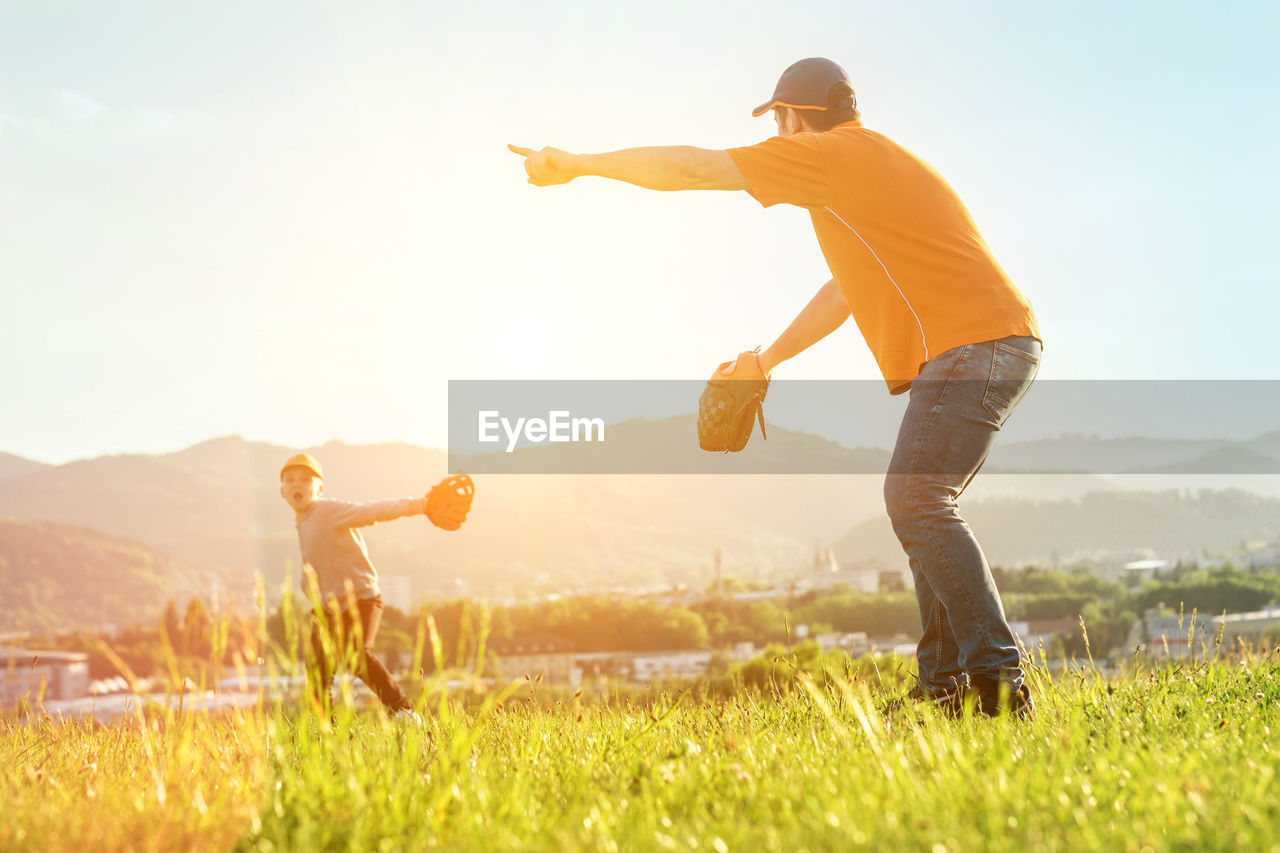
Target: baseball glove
x,y
449,501
731,404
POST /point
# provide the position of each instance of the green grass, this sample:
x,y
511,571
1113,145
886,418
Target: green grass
x,y
1172,758
190,783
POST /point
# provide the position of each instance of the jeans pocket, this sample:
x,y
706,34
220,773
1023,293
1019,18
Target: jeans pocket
x,y
1012,371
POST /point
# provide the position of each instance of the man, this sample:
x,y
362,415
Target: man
x,y
941,317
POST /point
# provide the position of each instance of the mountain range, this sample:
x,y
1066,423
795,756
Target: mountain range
x,y
666,446
55,577
212,515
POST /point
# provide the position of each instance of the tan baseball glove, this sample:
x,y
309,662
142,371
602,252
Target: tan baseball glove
x,y
732,403
449,501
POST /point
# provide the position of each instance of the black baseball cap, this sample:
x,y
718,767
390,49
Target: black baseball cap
x,y
806,85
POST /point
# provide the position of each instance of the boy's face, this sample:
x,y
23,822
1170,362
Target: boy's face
x,y
300,488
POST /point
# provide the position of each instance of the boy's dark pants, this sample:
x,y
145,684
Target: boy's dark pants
x,y
346,640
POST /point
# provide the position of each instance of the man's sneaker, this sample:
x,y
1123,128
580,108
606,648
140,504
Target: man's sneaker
x,y
946,700
996,697
408,715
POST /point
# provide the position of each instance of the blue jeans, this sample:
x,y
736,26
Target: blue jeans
x,y
958,403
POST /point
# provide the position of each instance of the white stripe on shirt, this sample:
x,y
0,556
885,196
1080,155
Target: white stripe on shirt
x,y
923,341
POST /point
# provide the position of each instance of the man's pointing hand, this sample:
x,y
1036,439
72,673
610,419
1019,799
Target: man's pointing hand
x,y
547,167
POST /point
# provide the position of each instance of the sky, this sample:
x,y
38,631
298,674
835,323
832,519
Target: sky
x,y
297,222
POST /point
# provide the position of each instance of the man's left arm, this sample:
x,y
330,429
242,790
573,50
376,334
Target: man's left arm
x,y
664,167
826,312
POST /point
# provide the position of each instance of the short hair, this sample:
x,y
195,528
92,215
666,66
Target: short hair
x,y
838,110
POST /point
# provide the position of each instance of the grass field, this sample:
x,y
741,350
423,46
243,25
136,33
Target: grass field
x,y
1167,758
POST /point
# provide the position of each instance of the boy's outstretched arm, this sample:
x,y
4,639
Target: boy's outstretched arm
x,y
825,313
664,167
346,514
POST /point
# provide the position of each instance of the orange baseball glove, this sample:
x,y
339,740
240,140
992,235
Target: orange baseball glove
x,y
449,501
731,404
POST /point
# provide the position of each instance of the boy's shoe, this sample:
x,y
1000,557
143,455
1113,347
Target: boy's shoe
x,y
408,715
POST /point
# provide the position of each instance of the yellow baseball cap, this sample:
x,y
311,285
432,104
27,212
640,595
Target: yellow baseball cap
x,y
303,460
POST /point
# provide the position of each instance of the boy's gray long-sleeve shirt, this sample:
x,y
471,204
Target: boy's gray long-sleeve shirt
x,y
333,547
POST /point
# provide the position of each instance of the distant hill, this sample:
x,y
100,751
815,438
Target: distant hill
x,y
57,577
215,509
670,447
16,466
1268,444
1135,455
216,506
1099,455
1233,459
1016,532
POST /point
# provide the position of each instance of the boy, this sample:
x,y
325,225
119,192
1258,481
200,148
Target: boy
x,y
334,551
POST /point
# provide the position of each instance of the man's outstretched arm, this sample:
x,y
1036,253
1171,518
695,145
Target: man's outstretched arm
x,y
665,167
825,313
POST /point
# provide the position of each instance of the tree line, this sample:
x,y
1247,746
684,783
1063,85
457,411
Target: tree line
x,y
612,623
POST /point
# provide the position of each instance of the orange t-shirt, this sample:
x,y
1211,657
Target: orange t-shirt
x,y
917,275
